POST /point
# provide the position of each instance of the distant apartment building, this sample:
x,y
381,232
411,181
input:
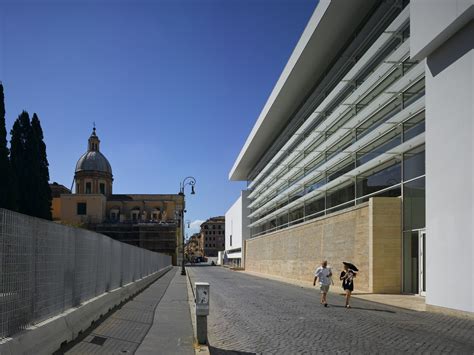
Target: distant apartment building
x,y
193,249
213,236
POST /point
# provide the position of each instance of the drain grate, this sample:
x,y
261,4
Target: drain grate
x,y
98,340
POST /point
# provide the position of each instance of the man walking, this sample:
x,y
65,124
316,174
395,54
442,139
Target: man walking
x,y
324,274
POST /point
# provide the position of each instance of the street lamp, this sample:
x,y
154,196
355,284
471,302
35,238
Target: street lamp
x,y
191,181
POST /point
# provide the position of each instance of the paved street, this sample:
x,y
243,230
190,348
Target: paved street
x,y
256,315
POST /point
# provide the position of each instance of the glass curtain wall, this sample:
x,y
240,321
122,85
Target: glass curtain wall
x,y
275,195
342,158
413,215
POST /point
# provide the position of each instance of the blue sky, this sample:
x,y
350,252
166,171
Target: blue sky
x,y
174,86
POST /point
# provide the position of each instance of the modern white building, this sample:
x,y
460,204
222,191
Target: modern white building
x,y
376,100
443,39
236,230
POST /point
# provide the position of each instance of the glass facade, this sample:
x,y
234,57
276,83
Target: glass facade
x,y
363,138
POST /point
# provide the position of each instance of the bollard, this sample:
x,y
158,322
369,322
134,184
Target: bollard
x,y
202,311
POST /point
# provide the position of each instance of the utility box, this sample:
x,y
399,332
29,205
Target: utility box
x,y
202,298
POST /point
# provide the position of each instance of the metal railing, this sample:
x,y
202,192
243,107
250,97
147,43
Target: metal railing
x,y
47,268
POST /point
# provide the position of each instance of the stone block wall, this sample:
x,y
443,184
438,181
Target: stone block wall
x,y
369,235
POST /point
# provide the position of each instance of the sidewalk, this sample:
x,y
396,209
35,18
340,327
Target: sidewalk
x,y
156,321
172,331
412,302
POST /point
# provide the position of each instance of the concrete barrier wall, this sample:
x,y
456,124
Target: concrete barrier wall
x,y
47,337
47,268
369,235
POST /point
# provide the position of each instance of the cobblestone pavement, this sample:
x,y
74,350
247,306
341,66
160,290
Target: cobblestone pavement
x,y
256,315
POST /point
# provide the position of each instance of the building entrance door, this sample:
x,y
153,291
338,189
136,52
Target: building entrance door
x,y
422,262
414,262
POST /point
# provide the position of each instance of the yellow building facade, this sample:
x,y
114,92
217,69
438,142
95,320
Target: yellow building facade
x,y
145,220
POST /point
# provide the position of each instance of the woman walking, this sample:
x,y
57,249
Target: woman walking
x,y
347,277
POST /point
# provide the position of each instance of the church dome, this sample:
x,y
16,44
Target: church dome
x,y
93,161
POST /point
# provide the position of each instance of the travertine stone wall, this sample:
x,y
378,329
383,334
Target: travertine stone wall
x,y
369,235
385,241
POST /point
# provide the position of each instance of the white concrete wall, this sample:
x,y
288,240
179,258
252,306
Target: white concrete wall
x,y
449,151
236,222
433,22
233,225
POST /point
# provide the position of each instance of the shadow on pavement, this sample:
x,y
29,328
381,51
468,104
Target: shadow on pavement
x,y
364,309
216,351
199,265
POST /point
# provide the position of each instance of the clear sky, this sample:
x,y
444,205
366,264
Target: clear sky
x,y
174,86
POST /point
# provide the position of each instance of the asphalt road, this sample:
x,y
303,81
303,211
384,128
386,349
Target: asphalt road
x,y
249,314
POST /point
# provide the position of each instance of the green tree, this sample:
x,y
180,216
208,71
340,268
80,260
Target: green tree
x,y
7,198
42,190
22,163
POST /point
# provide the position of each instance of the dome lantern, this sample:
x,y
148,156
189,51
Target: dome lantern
x,y
94,141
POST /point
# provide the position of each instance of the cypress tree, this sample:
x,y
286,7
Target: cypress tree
x,y
21,151
4,162
42,197
7,190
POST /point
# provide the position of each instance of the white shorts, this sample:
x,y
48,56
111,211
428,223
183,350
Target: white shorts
x,y
324,288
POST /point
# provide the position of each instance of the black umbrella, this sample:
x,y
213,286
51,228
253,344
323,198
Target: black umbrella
x,y
350,266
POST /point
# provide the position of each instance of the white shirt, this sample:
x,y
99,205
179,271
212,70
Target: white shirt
x,y
323,275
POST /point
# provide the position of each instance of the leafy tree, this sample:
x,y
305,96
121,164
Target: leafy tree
x,y
43,191
7,190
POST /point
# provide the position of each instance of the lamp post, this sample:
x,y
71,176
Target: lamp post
x,y
191,181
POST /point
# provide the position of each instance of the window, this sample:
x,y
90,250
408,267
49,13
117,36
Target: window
x,y
340,145
378,118
82,208
230,240
340,169
379,89
135,214
315,208
102,188
414,126
114,214
315,183
379,146
384,176
282,221
414,92
341,194
296,216
213,226
88,187
414,204
414,163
